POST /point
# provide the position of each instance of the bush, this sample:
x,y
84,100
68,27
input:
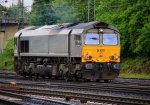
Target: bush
x,y
7,58
136,65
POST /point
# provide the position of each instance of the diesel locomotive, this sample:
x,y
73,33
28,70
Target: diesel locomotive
x,y
87,51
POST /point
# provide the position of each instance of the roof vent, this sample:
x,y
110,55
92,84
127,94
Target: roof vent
x,y
101,25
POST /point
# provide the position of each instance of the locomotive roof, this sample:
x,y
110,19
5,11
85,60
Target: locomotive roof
x,y
94,24
63,29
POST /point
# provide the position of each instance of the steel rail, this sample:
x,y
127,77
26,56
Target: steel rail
x,y
125,81
119,88
10,102
90,84
25,99
105,88
83,96
7,102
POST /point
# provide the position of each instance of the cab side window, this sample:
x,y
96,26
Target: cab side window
x,y
24,46
77,40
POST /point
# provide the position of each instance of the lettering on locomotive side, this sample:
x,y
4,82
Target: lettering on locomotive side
x,y
100,50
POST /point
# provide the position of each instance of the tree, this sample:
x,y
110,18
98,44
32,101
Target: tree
x,y
58,11
42,13
64,12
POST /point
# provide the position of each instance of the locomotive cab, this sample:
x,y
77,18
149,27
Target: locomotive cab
x,y
101,54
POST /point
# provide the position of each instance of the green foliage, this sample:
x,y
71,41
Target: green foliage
x,y
7,59
1,9
45,12
143,41
81,9
64,12
135,65
12,9
42,13
127,75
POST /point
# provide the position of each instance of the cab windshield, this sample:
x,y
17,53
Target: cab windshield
x,y
92,39
110,39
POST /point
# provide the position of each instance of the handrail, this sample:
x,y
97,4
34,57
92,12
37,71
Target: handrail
x,y
11,20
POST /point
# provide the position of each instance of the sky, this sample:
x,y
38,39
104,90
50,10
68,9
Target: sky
x,y
27,3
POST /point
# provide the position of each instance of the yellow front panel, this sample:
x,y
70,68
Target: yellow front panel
x,y
101,54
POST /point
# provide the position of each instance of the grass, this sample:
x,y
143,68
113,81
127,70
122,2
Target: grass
x,y
138,65
7,58
140,76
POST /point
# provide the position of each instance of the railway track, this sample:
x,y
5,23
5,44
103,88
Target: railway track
x,y
6,72
132,81
119,81
21,99
72,90
123,92
125,81
81,87
84,97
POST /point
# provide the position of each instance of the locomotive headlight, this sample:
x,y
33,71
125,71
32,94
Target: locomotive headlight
x,y
101,30
90,57
112,57
116,57
87,57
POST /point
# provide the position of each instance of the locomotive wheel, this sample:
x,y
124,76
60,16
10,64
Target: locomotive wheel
x,y
55,77
97,80
61,74
106,81
76,79
49,77
30,76
78,74
24,76
67,77
30,72
36,76
84,80
43,77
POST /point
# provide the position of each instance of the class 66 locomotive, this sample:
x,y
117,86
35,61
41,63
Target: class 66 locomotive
x,y
85,51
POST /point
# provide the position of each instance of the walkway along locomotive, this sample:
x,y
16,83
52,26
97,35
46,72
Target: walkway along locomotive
x,y
88,51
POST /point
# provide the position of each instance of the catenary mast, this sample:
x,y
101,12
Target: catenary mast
x,y
91,10
20,14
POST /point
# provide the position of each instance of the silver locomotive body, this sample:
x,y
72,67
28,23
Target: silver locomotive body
x,y
53,51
